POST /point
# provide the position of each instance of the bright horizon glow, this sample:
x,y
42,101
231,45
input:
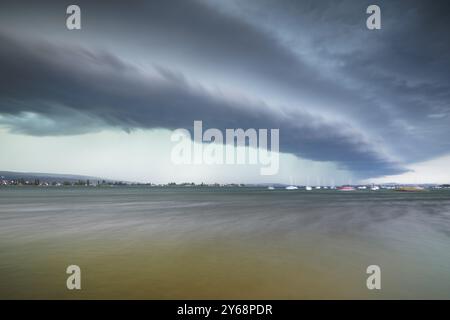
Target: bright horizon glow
x,y
144,156
433,171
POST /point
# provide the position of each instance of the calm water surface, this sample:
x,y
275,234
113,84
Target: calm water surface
x,y
230,243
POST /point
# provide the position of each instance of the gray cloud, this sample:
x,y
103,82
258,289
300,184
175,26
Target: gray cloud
x,y
42,80
397,77
356,97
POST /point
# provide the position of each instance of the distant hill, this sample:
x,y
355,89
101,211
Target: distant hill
x,y
48,177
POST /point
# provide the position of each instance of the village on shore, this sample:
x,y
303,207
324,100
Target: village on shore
x,y
109,183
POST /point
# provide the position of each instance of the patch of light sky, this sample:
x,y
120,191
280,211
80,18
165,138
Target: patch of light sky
x,y
144,156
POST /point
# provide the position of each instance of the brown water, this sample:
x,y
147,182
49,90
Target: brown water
x,y
230,243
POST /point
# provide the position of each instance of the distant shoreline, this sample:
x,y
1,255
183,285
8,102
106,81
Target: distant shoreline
x,y
357,188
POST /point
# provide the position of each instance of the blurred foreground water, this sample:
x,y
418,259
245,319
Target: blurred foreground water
x,y
227,243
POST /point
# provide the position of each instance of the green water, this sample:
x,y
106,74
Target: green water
x,y
228,243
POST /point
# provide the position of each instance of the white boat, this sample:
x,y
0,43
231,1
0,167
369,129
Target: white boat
x,y
375,188
271,188
291,187
308,188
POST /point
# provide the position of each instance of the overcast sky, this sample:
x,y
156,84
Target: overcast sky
x,y
351,104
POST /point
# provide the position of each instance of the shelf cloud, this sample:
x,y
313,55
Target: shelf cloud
x,y
370,101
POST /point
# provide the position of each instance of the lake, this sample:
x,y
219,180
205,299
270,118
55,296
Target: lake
x,y
223,243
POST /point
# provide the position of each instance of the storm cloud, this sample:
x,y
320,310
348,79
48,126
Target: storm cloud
x,y
371,102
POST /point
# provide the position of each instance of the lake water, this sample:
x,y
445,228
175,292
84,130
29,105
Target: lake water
x,y
227,243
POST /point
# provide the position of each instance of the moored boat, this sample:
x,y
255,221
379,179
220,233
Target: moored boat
x,y
409,189
346,188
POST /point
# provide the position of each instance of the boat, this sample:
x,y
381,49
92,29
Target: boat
x,y
346,188
308,188
271,188
375,188
409,189
291,187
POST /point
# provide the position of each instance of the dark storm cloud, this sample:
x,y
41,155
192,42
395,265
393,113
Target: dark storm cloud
x,y
42,81
393,83
401,73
